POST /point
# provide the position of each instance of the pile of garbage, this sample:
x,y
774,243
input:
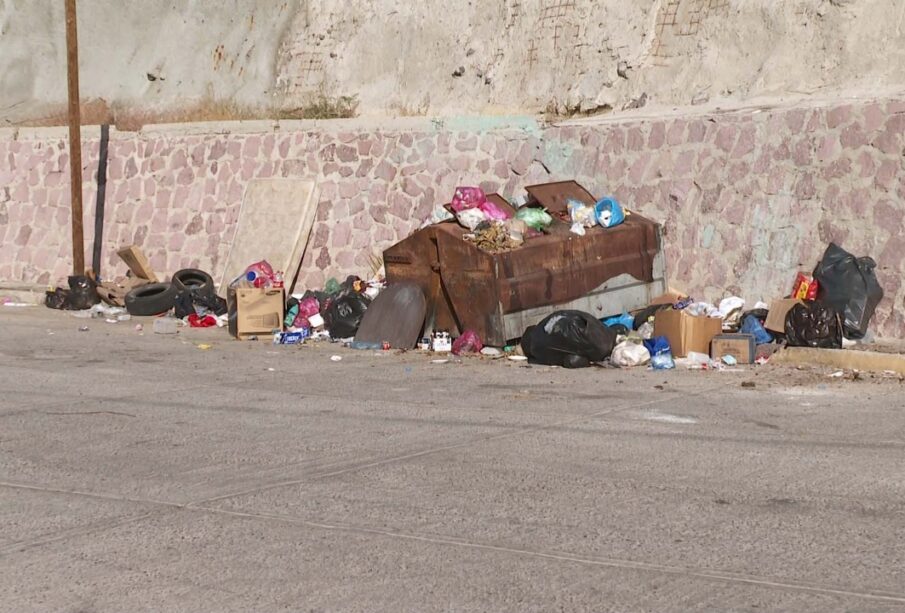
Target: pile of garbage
x,y
497,228
830,308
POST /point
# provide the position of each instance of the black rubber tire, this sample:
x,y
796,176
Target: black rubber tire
x,y
152,299
195,281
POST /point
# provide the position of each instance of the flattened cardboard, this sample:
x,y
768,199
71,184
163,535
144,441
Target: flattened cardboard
x,y
255,312
686,333
776,319
740,346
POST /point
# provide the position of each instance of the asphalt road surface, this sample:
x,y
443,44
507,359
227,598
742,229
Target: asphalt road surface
x,y
147,473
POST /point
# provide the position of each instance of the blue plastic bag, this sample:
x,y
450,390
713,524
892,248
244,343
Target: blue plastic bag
x,y
752,325
620,320
609,213
660,353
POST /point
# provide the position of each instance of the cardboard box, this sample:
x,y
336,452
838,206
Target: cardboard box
x,y
776,319
255,312
740,346
686,333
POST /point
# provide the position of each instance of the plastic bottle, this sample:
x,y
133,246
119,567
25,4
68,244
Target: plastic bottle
x,y
259,274
165,325
278,279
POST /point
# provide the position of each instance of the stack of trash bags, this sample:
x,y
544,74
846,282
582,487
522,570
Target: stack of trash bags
x,y
847,297
335,312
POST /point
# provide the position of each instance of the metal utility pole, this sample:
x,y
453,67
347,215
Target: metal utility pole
x,y
75,140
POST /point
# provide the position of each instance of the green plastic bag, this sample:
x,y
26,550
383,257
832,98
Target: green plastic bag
x,y
537,219
332,287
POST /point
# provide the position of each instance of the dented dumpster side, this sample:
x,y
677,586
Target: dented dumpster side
x,y
499,295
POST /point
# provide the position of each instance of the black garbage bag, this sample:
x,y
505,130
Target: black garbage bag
x,y
814,324
572,339
184,304
82,293
187,300
57,299
211,302
850,286
344,314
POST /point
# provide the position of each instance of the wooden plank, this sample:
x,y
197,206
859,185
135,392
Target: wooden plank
x,y
138,263
75,140
841,358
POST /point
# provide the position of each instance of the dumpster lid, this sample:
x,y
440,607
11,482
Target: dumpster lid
x,y
553,196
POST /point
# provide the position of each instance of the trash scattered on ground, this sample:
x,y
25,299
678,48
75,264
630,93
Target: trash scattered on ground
x,y
468,342
290,338
749,384
336,358
83,329
441,342
555,277
166,325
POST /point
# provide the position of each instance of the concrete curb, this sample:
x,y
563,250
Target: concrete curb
x,y
841,358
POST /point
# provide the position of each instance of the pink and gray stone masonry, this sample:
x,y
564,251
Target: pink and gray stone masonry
x,y
746,198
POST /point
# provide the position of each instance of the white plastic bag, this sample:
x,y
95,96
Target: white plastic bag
x,y
471,218
702,309
628,354
731,310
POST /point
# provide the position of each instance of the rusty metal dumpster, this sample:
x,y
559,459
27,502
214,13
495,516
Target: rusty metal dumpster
x,y
603,273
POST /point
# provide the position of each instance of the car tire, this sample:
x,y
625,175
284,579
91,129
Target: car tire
x,y
152,299
195,281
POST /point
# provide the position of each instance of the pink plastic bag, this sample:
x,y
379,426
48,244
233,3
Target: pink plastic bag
x,y
468,198
469,342
260,274
493,211
307,308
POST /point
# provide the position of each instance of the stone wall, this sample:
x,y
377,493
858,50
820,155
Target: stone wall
x,y
746,198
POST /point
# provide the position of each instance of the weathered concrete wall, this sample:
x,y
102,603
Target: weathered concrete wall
x,y
148,57
400,58
746,198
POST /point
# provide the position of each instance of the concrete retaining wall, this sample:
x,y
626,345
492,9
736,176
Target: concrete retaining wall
x,y
746,198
